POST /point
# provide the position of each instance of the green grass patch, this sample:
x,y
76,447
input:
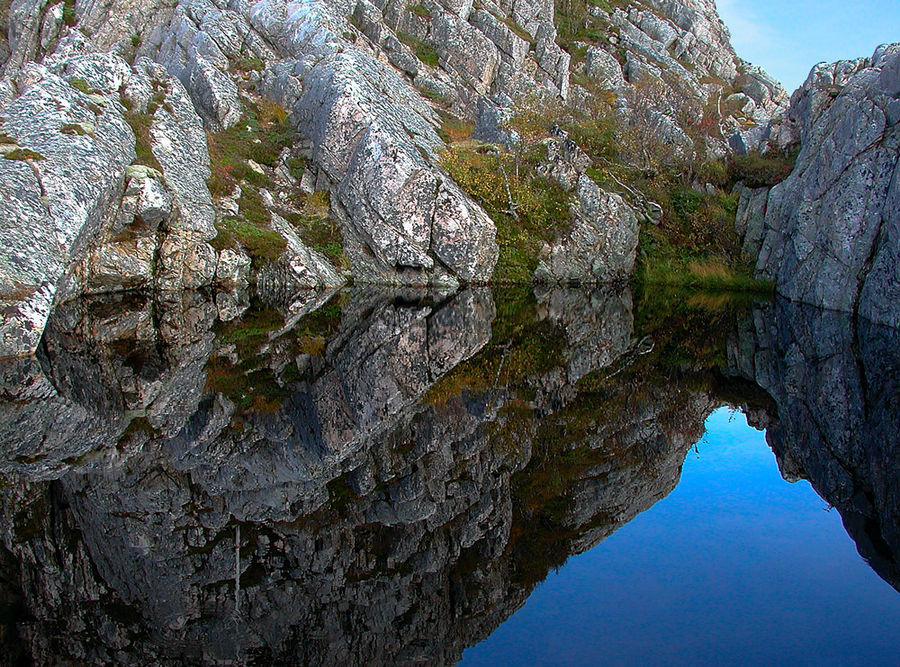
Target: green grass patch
x,y
140,123
542,207
263,245
81,85
757,171
249,64
707,274
23,155
420,10
260,135
424,50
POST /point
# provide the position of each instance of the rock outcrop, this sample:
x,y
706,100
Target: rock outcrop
x,y
829,234
363,83
601,246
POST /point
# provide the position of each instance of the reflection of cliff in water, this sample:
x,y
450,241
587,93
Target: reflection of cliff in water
x,y
836,389
379,478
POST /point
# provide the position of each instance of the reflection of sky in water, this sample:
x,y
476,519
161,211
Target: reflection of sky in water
x,y
734,566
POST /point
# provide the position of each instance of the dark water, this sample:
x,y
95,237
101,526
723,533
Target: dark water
x,y
550,477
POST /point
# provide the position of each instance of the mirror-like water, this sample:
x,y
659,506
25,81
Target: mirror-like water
x,y
735,566
372,478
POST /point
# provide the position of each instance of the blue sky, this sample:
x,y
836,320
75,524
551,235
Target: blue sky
x,y
788,37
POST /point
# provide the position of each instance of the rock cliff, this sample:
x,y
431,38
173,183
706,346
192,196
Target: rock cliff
x,y
829,234
92,90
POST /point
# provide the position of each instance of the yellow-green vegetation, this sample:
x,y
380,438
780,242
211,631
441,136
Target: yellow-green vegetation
x,y
261,134
695,242
527,209
453,129
69,12
140,124
23,155
757,171
420,10
240,158
574,22
81,85
316,228
424,50
249,64
263,245
77,129
695,245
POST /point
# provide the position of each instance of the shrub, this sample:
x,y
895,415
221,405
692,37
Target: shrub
x,y
261,135
249,64
757,171
421,10
455,130
263,245
69,12
596,136
541,207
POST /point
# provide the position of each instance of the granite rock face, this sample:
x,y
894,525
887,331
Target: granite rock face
x,y
829,231
403,220
65,158
601,245
363,83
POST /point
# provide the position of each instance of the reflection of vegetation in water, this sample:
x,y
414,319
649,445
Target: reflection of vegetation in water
x,y
250,376
521,346
679,343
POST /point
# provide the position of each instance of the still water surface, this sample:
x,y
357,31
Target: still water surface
x,y
509,477
735,566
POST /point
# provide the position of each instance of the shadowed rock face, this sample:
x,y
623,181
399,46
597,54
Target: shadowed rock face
x,y
348,489
835,384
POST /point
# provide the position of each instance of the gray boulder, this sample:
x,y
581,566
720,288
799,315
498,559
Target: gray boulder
x,y
602,244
